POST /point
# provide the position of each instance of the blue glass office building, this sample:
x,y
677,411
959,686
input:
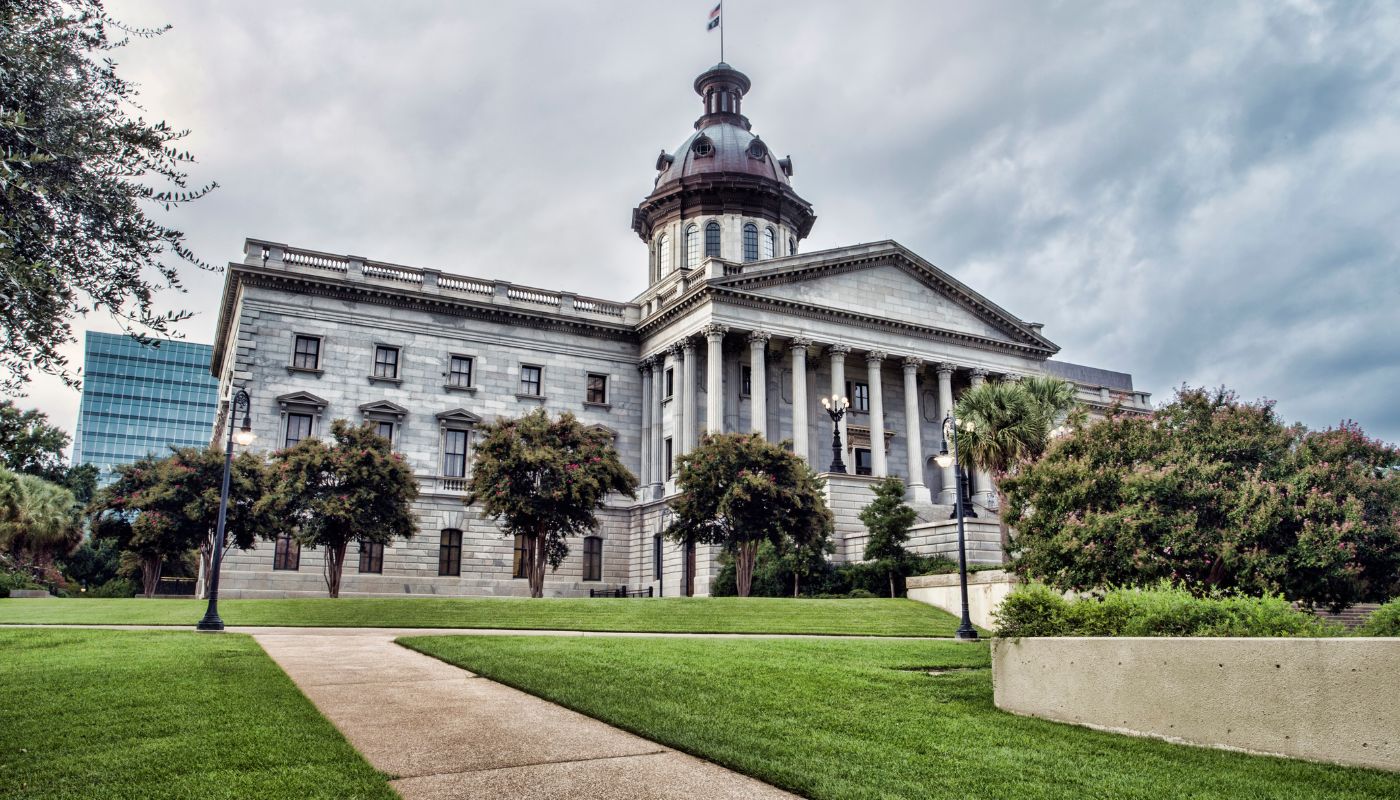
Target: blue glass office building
x,y
140,399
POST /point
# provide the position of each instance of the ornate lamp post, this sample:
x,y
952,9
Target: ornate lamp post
x,y
244,436
836,406
966,632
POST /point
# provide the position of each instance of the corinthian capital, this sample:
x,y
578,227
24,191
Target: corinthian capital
x,y
760,337
838,350
913,362
799,343
714,331
875,356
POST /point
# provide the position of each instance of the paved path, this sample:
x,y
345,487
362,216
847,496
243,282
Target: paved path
x,y
448,734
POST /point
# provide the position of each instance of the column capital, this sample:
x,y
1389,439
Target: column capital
x,y
713,331
644,366
875,356
841,350
674,350
688,345
912,363
944,368
1011,377
979,373
760,337
799,343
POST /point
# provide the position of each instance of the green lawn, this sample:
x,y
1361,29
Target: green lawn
x,y
163,714
864,719
694,615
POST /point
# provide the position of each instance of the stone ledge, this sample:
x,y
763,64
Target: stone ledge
x,y
987,576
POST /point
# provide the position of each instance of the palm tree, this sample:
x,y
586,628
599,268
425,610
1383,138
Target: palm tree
x,y
1007,424
45,522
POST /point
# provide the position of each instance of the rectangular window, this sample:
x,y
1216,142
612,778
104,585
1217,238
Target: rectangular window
x,y
670,382
298,428
521,554
656,558
385,429
386,362
454,454
597,388
666,456
530,379
307,352
450,553
371,557
859,394
745,381
592,558
863,461
459,371
287,553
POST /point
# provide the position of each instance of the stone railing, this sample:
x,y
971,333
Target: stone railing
x,y
272,255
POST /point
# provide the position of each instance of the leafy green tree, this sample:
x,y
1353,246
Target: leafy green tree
x,y
544,479
136,512
327,496
192,488
1005,425
78,175
28,443
41,521
737,490
1212,493
888,519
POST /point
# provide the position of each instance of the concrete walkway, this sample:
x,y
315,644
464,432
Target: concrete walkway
x,y
446,733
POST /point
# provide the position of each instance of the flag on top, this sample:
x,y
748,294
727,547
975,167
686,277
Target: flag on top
x,y
714,17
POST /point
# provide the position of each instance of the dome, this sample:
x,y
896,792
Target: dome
x,y
724,148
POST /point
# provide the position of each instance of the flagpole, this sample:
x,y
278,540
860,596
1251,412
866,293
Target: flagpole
x,y
721,34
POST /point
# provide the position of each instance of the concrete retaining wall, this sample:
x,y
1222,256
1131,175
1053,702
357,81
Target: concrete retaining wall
x,y
985,591
1334,700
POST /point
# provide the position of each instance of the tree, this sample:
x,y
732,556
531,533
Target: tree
x,y
888,518
41,520
544,479
78,174
192,489
139,512
737,490
357,490
29,444
1005,425
1212,493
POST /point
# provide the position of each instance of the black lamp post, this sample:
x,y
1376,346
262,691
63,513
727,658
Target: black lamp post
x,y
966,632
836,406
241,402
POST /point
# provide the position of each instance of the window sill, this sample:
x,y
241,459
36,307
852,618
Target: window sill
x,y
603,406
454,388
291,370
536,397
382,379
666,400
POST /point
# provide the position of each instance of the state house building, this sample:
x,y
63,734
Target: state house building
x,y
737,330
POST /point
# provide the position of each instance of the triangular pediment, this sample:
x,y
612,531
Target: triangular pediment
x,y
458,416
886,282
300,399
384,407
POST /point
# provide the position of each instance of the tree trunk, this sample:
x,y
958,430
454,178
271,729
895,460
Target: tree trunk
x,y
335,566
794,584
743,567
535,554
1001,518
891,584
150,575
206,549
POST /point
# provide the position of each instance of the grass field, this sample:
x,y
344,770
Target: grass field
x,y
157,714
672,615
865,719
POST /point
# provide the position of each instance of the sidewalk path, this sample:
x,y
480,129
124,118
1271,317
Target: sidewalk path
x,y
445,733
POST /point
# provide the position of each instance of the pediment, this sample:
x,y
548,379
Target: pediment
x,y
888,282
384,407
611,434
458,416
301,399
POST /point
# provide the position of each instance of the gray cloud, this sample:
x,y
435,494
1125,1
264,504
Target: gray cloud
x,y
1200,192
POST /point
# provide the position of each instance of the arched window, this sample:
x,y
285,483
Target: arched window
x,y
663,255
692,245
750,242
712,240
792,245
770,243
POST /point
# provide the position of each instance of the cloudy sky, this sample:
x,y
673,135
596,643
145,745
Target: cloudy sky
x,y
1199,192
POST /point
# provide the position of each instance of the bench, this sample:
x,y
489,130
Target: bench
x,y
622,592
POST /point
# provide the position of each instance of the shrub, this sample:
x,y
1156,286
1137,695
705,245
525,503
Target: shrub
x,y
1162,611
1384,621
772,576
116,587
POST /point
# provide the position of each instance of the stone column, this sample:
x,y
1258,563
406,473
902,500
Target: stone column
x,y
758,382
677,355
689,388
714,384
800,444
879,468
913,422
644,367
838,353
983,495
947,495
658,392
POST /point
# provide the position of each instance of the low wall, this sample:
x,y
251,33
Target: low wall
x,y
985,591
1333,700
982,536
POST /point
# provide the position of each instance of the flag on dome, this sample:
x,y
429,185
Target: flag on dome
x,y
714,17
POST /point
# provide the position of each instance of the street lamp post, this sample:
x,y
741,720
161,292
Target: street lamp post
x,y
836,406
241,402
966,632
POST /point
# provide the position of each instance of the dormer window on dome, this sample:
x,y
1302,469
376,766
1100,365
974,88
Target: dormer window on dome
x,y
702,147
757,149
